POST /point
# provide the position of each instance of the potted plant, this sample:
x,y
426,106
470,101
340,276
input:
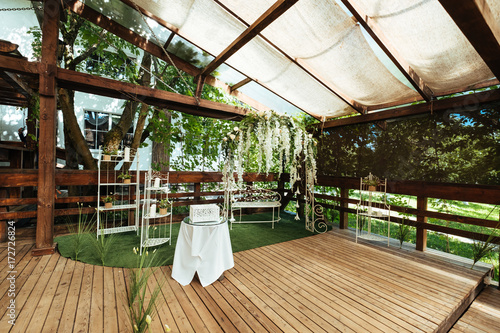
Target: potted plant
x,y
125,176
372,182
108,201
163,206
107,152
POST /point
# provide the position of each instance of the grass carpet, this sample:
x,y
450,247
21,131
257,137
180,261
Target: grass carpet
x,y
117,250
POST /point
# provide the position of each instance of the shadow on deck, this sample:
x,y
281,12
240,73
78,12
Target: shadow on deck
x,y
315,284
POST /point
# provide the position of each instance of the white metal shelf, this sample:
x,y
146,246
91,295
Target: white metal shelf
x,y
118,207
150,242
157,216
365,206
116,230
108,172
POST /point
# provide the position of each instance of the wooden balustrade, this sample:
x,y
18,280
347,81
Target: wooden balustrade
x,y
422,191
13,206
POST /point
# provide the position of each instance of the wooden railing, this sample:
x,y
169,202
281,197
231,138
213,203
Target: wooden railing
x,y
18,191
14,205
422,191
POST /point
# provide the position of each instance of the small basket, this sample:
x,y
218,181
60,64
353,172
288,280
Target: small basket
x,y
204,213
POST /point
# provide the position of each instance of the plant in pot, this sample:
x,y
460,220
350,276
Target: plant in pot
x,y
163,206
108,201
372,182
107,152
125,176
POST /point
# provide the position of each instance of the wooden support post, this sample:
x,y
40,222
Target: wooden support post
x,y
3,228
47,143
421,232
344,216
197,190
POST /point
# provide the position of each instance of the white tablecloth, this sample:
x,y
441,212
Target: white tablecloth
x,y
203,249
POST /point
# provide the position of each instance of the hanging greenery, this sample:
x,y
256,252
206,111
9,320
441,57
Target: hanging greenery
x,y
265,142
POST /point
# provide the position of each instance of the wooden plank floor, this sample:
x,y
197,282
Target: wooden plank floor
x,y
322,283
483,315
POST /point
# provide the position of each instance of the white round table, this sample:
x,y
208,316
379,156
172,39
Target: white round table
x,y
202,249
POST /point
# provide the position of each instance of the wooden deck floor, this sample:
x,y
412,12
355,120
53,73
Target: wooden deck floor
x,y
322,283
483,316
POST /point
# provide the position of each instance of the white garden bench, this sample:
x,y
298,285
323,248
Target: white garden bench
x,y
251,197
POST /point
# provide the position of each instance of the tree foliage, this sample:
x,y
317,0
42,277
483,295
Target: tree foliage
x,y
457,147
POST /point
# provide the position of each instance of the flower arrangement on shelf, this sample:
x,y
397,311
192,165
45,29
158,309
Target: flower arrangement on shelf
x,y
108,200
164,203
125,176
107,152
273,141
371,181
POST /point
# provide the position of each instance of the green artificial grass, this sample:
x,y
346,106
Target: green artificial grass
x,y
243,237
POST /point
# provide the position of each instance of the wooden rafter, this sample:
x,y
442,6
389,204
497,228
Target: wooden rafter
x,y
458,103
475,20
17,83
373,30
115,28
269,16
123,90
169,40
116,89
241,83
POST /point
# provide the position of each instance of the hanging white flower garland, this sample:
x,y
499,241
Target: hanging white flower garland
x,y
276,139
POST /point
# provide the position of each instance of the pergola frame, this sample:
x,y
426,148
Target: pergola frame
x,y
473,18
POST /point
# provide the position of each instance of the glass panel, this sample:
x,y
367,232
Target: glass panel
x,y
269,99
189,52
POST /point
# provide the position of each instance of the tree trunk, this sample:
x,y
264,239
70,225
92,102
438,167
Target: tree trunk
x,y
160,156
117,133
73,136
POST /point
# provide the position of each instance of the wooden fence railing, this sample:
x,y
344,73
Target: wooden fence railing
x,y
15,205
18,191
422,191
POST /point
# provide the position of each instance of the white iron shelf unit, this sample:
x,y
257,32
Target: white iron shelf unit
x,y
365,209
127,192
151,236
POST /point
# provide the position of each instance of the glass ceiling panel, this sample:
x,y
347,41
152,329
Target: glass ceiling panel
x,y
189,52
228,75
121,13
427,38
276,103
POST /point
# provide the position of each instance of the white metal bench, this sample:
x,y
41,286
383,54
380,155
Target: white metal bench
x,y
251,197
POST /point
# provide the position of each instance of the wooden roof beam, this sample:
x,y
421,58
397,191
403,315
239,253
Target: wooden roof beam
x,y
475,20
373,30
269,16
116,89
17,83
107,87
241,83
458,104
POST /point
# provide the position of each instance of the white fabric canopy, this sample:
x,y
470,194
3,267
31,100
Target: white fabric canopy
x,y
316,56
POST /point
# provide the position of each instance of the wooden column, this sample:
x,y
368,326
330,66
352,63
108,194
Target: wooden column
x,y
421,232
344,216
47,143
197,190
